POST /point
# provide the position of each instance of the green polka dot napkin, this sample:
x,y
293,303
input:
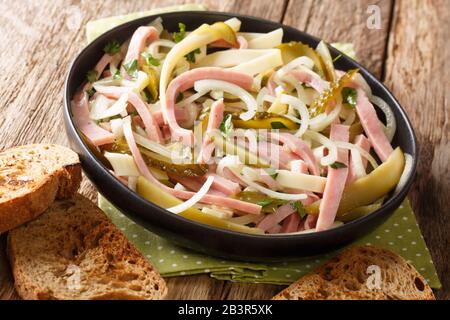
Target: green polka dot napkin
x,y
400,233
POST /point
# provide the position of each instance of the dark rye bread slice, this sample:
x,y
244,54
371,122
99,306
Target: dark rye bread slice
x,y
346,277
73,251
31,178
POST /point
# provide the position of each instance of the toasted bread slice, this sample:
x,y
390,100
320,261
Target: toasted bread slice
x,y
31,178
347,277
73,251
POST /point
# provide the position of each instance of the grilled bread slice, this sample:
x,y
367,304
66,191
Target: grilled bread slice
x,y
347,277
73,251
31,178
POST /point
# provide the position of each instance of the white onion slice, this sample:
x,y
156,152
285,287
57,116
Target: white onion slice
x,y
228,161
191,98
330,145
117,127
117,108
349,117
152,146
270,193
195,198
99,106
405,174
320,122
155,45
179,186
302,110
210,85
391,124
260,98
362,152
357,163
157,24
297,62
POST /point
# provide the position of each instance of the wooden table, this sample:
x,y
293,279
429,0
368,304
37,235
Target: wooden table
x,y
408,51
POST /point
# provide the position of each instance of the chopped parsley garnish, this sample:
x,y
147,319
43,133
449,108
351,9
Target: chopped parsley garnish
x,y
226,125
131,68
338,165
191,55
349,96
90,92
298,206
277,125
272,172
337,58
265,202
91,76
178,36
150,60
116,75
112,47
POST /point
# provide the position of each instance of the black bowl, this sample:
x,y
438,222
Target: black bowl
x,y
202,237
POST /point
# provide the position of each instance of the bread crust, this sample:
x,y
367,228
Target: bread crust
x,y
111,267
344,278
61,183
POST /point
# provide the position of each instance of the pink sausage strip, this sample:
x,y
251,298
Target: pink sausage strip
x,y
291,223
215,118
271,85
194,184
101,65
310,79
224,185
140,37
180,115
275,229
181,194
298,147
151,126
80,110
186,81
310,222
336,179
274,154
364,143
371,125
274,218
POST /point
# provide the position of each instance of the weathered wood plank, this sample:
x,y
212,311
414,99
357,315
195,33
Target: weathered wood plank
x,y
39,39
417,68
344,21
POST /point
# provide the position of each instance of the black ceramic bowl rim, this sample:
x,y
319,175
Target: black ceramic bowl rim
x,y
387,208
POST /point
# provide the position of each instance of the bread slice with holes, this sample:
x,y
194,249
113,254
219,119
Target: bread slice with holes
x,y
73,251
361,273
31,178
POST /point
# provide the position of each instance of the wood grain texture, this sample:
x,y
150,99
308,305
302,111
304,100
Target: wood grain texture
x,y
344,21
42,38
417,69
39,39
